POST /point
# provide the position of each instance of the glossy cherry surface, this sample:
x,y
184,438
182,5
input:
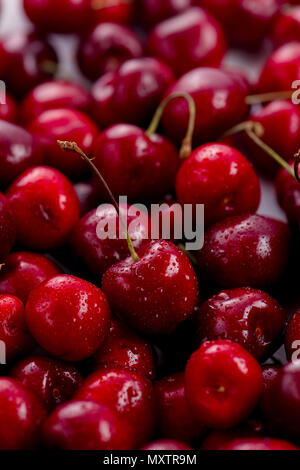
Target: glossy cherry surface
x,y
287,26
116,11
166,444
292,337
77,319
155,11
259,444
9,110
7,228
288,194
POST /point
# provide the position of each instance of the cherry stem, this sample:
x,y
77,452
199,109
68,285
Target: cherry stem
x,y
187,143
73,147
296,165
266,97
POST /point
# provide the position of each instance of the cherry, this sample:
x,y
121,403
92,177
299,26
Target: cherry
x,y
115,11
77,319
216,440
69,124
154,293
207,177
155,11
247,316
9,110
23,271
247,250
7,228
100,254
45,208
87,195
86,425
129,395
194,35
54,382
106,47
166,444
131,93
223,383
259,444
28,61
52,95
269,374
220,102
288,194
124,349
20,416
13,330
292,336
287,26
18,152
174,417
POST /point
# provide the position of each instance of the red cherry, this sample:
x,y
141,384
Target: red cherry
x,y
7,228
9,110
155,293
288,194
98,254
87,195
194,35
174,417
23,271
53,95
13,330
132,93
54,382
222,179
247,250
106,47
20,416
216,440
77,319
220,102
166,444
287,26
116,11
259,444
292,337
247,316
124,349
28,61
269,374
66,124
86,425
126,393
18,152
155,11
223,383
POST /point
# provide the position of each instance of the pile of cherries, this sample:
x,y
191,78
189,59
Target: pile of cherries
x,y
122,344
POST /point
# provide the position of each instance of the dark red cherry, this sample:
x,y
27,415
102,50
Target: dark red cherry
x,y
288,194
23,271
116,11
106,47
52,95
220,102
155,11
131,93
221,178
52,381
86,425
65,124
133,164
167,445
292,337
21,415
223,384
155,293
9,110
45,208
124,349
28,61
77,319
247,250
216,440
270,373
18,152
247,316
8,230
287,26
87,195
259,444
194,35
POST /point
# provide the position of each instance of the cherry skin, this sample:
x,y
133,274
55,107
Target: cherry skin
x,y
131,93
247,316
129,395
223,383
142,167
118,11
65,124
287,26
155,293
216,440
214,116
247,250
23,271
9,110
77,319
207,177
269,374
21,415
106,47
155,11
288,194
259,444
292,337
18,152
166,444
174,418
86,425
53,95
7,228
100,254
194,35
28,61
87,195
45,208
13,330
124,349
54,382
